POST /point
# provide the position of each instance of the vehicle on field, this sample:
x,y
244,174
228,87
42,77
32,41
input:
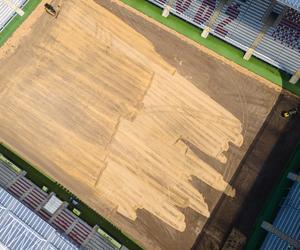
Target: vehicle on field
x,y
290,113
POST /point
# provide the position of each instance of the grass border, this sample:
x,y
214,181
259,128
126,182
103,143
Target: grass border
x,y
88,214
271,206
217,45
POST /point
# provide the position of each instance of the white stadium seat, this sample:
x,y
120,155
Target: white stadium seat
x,y
7,13
240,22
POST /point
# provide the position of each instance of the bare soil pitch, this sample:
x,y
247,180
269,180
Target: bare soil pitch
x,y
145,128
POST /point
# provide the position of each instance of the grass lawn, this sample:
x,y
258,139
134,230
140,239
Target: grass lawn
x,y
271,206
87,214
221,47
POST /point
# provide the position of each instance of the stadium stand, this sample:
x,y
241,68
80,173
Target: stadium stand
x,y
7,13
96,242
13,183
20,228
6,175
268,29
291,3
32,196
287,222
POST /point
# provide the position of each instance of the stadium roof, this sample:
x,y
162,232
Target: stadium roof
x,y
287,221
21,228
295,4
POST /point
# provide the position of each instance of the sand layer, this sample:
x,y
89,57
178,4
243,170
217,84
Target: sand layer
x,y
106,92
94,105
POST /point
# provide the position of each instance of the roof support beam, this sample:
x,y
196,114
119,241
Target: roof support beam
x,y
268,22
270,228
166,10
295,78
214,17
293,177
14,7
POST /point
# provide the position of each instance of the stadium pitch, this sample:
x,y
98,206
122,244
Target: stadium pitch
x,y
144,127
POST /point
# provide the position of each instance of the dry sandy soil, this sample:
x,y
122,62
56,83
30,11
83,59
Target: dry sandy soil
x,y
145,128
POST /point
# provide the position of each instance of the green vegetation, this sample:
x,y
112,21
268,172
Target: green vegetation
x,y
271,206
228,51
87,214
17,21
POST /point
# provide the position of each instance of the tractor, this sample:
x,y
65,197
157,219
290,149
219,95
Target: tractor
x,y
290,113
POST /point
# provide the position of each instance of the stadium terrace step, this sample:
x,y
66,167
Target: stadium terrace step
x,y
7,175
34,198
96,242
7,13
275,231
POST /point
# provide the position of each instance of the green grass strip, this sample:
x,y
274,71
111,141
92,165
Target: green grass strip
x,y
17,21
87,214
224,49
271,206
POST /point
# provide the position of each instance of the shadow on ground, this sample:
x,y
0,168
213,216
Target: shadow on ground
x,y
260,169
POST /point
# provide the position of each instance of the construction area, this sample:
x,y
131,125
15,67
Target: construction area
x,y
159,135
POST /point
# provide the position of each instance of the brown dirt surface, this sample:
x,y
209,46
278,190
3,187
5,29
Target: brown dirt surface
x,y
258,173
145,128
